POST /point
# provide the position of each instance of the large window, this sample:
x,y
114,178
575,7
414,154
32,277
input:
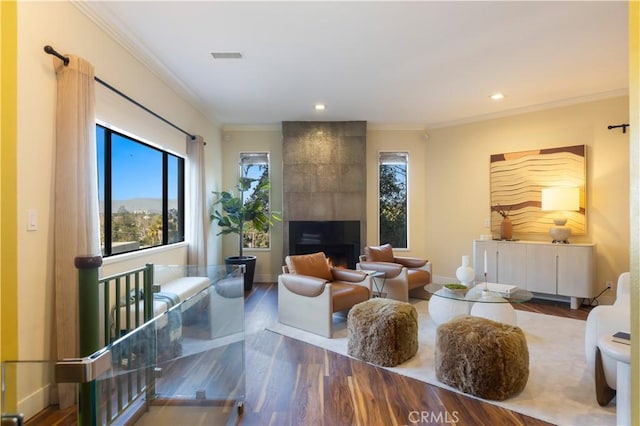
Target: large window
x,y
255,165
393,198
141,192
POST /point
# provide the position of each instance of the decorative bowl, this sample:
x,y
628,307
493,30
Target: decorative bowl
x,y
455,289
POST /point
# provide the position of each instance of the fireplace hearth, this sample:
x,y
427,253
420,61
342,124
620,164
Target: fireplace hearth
x,y
338,239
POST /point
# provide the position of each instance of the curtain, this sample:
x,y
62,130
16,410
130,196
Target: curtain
x,y
196,211
76,211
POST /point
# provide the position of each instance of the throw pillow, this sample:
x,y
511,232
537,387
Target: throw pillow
x,y
313,265
382,253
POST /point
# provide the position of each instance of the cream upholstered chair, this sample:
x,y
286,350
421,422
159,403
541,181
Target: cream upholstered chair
x,y
607,320
404,276
310,292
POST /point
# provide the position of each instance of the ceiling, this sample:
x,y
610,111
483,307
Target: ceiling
x,y
405,64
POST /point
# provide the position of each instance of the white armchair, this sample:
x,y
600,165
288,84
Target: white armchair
x,y
310,292
606,320
404,277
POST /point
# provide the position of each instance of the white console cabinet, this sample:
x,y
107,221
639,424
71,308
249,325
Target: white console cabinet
x,y
547,268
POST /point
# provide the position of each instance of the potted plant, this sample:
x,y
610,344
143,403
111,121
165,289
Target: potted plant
x,y
234,213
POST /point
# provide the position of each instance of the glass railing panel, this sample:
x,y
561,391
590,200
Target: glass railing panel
x,y
185,366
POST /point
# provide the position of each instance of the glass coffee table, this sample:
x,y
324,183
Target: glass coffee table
x,y
488,300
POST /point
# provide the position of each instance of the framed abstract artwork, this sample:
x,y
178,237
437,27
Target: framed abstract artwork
x,y
517,179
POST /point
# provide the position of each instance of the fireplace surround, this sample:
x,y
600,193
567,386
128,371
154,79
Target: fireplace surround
x,y
324,188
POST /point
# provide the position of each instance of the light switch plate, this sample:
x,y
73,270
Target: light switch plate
x,y
32,220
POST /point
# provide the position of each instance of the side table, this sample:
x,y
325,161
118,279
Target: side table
x,y
622,354
378,279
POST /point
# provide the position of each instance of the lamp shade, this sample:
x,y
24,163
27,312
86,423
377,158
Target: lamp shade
x,y
565,198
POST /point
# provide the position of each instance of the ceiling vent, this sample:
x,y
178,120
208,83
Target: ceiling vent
x,y
226,55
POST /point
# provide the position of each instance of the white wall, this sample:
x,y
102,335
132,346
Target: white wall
x,y
256,139
449,181
63,26
457,181
413,142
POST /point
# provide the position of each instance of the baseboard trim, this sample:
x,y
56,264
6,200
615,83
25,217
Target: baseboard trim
x,y
35,402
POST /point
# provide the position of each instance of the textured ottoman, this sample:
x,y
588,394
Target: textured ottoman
x,y
383,331
482,357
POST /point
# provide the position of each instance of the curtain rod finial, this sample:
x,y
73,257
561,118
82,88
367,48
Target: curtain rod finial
x,y
51,51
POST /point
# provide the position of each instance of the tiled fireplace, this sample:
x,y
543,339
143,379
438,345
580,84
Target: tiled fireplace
x,y
324,183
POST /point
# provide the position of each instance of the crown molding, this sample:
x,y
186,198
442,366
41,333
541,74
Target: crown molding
x,y
533,108
389,127
120,33
413,127
252,128
124,37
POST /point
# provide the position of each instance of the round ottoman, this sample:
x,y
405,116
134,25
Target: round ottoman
x,y
482,357
383,331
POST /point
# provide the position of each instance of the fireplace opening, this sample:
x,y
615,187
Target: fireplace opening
x,y
338,239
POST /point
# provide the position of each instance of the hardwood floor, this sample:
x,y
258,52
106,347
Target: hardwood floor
x,y
289,382
300,384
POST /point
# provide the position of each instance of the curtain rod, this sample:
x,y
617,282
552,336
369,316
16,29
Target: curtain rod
x,y
51,51
624,127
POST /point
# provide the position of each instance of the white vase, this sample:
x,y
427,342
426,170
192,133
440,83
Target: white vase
x,y
465,273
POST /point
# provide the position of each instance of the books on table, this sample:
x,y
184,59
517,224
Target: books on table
x,y
503,289
622,337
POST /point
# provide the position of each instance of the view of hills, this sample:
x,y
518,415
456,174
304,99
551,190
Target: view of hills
x,y
150,205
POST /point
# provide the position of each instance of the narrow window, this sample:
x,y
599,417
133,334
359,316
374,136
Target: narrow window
x,y
255,165
141,194
393,198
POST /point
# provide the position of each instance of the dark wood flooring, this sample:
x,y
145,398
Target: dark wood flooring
x,y
289,382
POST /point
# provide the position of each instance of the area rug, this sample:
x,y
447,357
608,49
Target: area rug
x,y
560,389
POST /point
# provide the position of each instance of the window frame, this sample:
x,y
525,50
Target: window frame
x,y
107,195
380,162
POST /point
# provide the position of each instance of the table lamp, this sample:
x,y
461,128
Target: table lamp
x,y
560,199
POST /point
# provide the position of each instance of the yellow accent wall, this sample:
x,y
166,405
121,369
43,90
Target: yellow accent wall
x,y
8,237
634,130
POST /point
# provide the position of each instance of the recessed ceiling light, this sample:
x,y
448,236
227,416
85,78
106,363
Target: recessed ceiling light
x,y
320,107
226,55
497,96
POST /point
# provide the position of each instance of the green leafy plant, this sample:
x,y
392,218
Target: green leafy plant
x,y
233,212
